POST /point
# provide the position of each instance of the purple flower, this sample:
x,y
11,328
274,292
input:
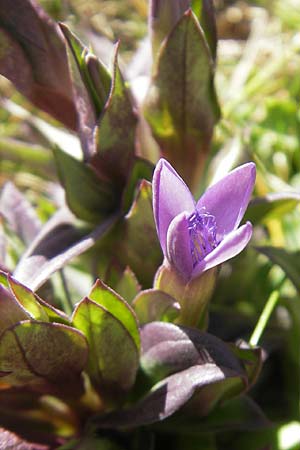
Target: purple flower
x,y
196,236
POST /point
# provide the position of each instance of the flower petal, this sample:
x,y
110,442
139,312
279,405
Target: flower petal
x,y
179,246
229,247
228,199
171,196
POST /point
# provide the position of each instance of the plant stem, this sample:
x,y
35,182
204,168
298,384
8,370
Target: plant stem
x,y
264,317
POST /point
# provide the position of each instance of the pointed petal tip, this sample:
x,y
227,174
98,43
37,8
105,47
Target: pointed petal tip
x,y
233,244
165,183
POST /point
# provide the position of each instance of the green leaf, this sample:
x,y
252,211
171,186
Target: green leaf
x,y
88,197
288,261
34,305
117,307
11,311
204,10
113,356
115,136
28,300
124,282
141,170
42,354
139,247
152,305
181,105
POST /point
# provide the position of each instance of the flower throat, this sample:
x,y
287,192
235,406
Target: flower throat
x,y
202,229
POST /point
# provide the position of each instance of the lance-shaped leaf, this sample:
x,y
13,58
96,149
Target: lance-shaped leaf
x,y
204,10
113,356
153,304
18,213
42,355
91,84
92,199
115,135
287,260
163,16
181,105
33,57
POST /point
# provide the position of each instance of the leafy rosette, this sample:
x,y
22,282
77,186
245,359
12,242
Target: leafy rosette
x,y
188,371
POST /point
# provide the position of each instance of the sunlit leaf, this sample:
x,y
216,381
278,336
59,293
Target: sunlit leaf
x,y
117,307
181,105
113,354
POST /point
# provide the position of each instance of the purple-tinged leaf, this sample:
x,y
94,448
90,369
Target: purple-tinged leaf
x,y
34,58
91,84
117,307
113,354
169,395
55,236
287,260
28,300
168,348
9,440
181,106
58,243
42,355
152,305
116,133
34,305
18,213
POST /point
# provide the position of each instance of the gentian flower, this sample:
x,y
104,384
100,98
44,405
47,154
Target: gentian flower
x,y
197,236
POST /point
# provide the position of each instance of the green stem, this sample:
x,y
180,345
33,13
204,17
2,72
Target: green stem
x,y
264,317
